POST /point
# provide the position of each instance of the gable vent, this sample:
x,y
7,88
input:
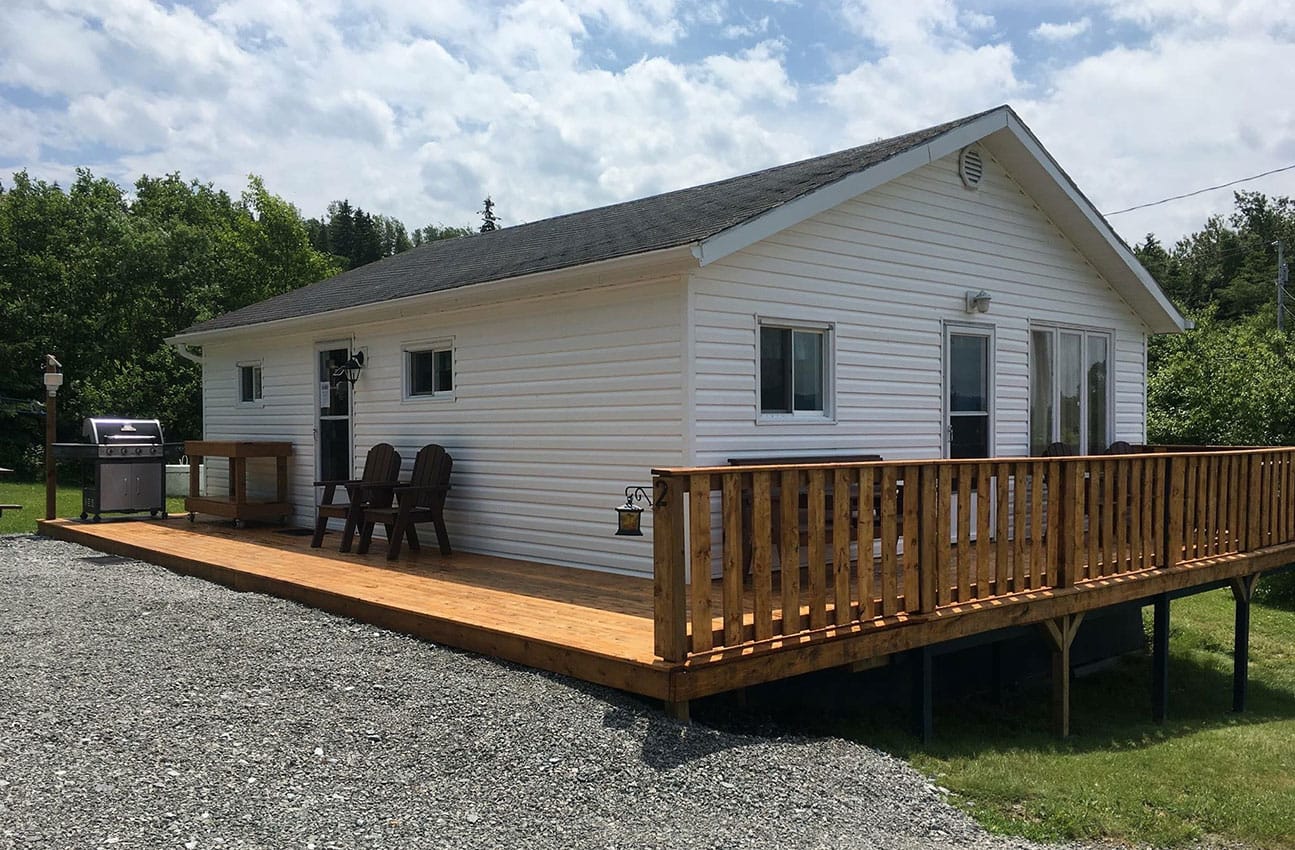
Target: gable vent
x,y
971,167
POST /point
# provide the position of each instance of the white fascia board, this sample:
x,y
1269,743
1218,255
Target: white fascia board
x,y
628,269
790,214
1138,286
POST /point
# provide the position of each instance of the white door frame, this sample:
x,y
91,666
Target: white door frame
x,y
988,331
320,347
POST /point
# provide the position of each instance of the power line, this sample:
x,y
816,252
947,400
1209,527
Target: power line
x,y
1201,191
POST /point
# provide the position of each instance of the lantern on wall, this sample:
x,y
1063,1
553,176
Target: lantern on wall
x,y
629,516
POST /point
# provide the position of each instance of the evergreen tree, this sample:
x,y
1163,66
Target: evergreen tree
x,y
489,221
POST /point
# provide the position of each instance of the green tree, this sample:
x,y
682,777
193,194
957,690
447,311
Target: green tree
x,y
100,281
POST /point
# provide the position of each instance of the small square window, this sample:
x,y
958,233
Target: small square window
x,y
249,383
430,372
794,367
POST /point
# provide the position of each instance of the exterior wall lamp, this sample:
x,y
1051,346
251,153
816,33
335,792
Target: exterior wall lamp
x,y
978,301
629,516
350,370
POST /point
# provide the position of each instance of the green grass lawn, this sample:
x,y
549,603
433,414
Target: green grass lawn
x,y
1206,772
32,498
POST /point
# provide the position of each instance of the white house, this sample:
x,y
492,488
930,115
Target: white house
x,y
949,292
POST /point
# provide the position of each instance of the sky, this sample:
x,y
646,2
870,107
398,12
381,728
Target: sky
x,y
420,108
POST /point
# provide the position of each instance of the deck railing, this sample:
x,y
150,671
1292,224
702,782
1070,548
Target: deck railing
x,y
751,554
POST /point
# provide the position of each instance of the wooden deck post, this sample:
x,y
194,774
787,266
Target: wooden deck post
x,y
923,701
669,599
1160,660
1243,589
1060,634
1070,499
677,710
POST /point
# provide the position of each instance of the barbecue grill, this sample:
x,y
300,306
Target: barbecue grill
x,y
129,461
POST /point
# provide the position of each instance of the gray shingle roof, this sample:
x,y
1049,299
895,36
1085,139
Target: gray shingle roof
x,y
634,227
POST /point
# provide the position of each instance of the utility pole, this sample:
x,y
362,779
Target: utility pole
x,y
1281,285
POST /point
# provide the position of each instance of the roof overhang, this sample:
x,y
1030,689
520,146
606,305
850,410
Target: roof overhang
x,y
1007,138
629,269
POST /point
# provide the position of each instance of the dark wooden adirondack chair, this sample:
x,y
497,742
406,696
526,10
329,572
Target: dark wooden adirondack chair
x,y
381,472
420,500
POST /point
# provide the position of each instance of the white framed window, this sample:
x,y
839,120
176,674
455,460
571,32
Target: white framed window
x,y
429,370
1070,388
794,370
250,388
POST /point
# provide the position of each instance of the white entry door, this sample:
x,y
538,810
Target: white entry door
x,y
333,405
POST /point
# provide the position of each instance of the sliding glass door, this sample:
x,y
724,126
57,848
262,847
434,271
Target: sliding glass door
x,y
1069,390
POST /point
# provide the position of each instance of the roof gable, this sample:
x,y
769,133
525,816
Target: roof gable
x,y
715,219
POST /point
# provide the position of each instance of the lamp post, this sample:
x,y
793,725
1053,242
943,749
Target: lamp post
x,y
53,380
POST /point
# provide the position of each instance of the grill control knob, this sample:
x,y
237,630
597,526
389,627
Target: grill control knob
x,y
138,450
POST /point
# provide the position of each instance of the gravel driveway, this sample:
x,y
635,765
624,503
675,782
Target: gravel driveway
x,y
139,708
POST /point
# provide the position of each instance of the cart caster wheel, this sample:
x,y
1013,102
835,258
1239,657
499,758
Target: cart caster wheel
x,y
153,513
192,517
84,515
165,515
96,518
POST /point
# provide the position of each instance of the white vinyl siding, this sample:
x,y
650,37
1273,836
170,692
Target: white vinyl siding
x,y
559,403
891,268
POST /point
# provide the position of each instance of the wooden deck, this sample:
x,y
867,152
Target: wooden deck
x,y
608,628
593,626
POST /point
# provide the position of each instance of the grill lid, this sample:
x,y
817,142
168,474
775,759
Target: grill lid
x,y
121,431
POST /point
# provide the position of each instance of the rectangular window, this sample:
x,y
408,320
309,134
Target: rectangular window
x,y
429,371
249,383
794,369
1069,390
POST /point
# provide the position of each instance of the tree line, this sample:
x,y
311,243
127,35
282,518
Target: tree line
x,y
100,277
1231,379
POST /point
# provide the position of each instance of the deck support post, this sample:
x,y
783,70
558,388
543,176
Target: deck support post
x,y
1243,589
677,709
1060,634
920,660
1160,659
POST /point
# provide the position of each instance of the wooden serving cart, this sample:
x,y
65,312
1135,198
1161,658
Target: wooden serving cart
x,y
237,506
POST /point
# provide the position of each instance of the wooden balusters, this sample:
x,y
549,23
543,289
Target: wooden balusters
x,y
820,547
842,496
929,548
963,533
789,549
912,541
762,553
889,541
699,562
865,537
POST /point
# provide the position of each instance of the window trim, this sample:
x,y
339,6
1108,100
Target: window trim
x,y
1084,332
989,331
826,416
259,370
407,350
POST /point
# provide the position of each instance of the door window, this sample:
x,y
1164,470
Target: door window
x,y
969,386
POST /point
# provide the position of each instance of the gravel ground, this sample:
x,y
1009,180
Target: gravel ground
x,y
139,708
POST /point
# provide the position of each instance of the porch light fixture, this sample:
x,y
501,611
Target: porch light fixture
x,y
350,370
629,516
978,301
53,375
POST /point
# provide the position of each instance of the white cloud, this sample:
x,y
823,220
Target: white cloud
x,y
1048,31
420,109
1189,109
